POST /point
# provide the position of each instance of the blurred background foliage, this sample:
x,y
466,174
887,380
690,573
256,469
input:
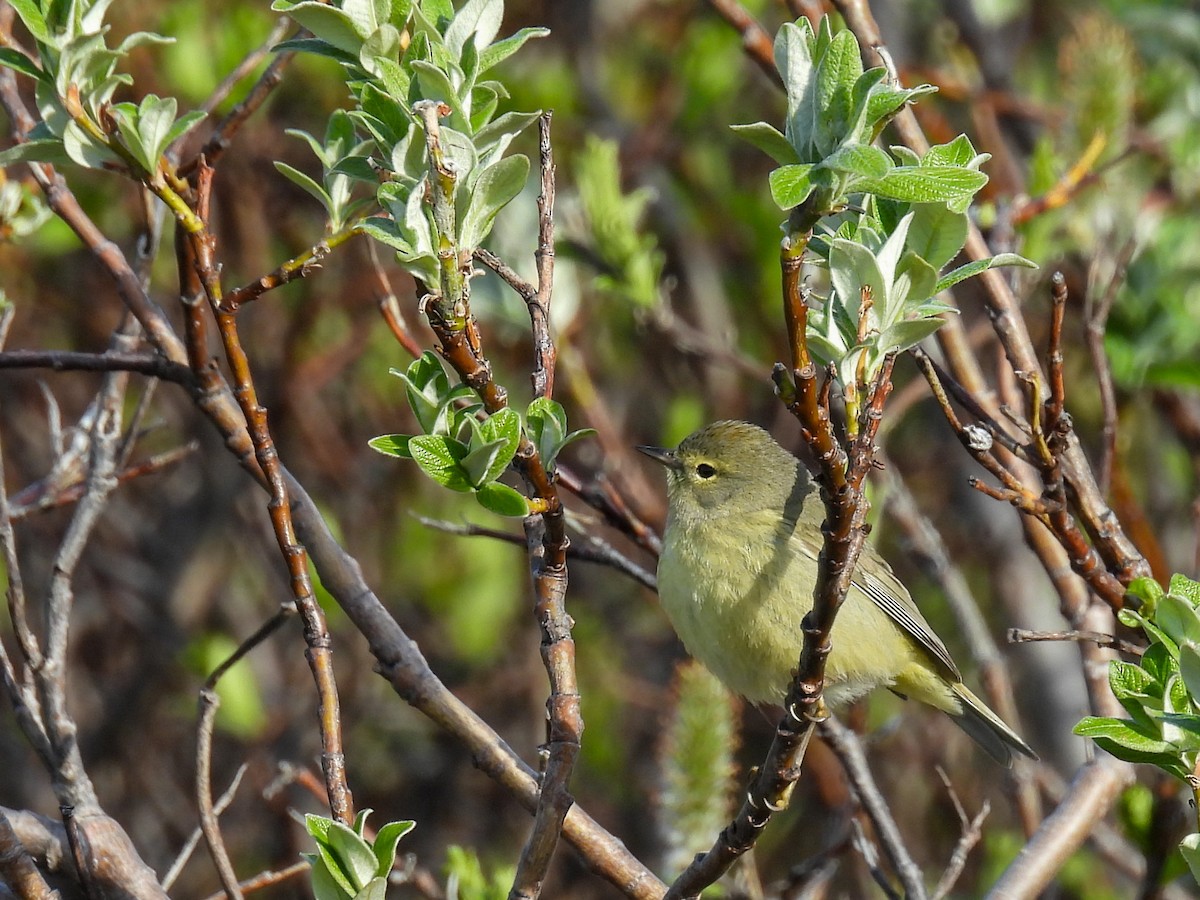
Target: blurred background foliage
x,y
667,313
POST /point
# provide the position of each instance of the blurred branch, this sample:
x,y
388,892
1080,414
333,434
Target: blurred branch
x,y
189,846
17,869
593,549
972,832
755,40
924,545
1100,639
209,703
846,746
1089,797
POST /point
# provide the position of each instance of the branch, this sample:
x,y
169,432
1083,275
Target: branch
x,y
1092,792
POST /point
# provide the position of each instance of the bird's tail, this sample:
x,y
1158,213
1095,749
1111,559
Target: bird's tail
x,y
987,729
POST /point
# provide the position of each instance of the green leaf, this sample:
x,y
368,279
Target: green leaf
x,y
480,460
392,445
791,185
503,49
324,885
496,186
317,47
503,425
353,853
318,827
860,160
375,889
50,150
1130,680
502,500
1148,591
19,62
306,183
1189,847
1179,619
385,844
31,15
477,21
962,273
927,184
903,335
937,233
1121,734
1189,670
85,151
1184,587
768,139
329,23
386,232
439,457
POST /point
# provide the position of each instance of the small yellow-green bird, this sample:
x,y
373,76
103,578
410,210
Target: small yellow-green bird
x,y
736,577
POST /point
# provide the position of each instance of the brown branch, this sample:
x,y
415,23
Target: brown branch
x,y
972,832
1095,322
108,361
755,41
209,702
318,652
218,142
17,869
264,880
1099,638
593,550
846,747
300,266
189,846
1088,799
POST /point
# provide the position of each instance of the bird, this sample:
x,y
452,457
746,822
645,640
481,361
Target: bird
x,y
736,577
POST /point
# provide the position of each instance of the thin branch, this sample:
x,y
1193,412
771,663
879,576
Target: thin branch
x,y
299,266
1093,791
17,869
846,747
546,542
755,41
593,549
972,832
318,645
189,846
1100,639
109,361
264,880
209,702
1095,322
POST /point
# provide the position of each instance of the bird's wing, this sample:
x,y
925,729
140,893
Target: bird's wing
x,y
884,589
886,592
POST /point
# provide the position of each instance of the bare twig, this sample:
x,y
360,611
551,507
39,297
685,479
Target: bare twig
x,y
845,745
17,869
972,831
189,846
585,548
755,40
1100,639
209,702
264,880
1090,795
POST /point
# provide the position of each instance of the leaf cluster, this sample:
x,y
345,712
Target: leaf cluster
x,y
909,212
74,87
1160,692
346,865
396,55
464,450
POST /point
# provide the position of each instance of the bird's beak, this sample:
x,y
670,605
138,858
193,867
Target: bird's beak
x,y
662,455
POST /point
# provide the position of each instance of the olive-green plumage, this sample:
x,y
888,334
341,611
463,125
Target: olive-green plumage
x,y
736,576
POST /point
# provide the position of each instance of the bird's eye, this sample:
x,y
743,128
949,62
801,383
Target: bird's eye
x,y
704,470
